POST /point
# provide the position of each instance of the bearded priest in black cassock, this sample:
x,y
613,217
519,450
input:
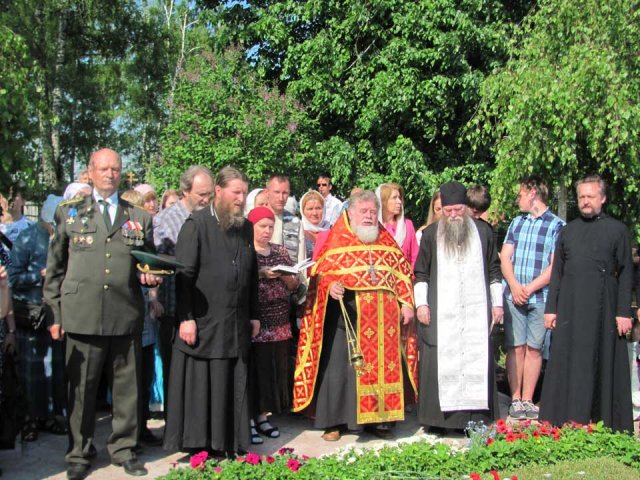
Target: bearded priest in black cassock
x,y
589,309
458,293
217,292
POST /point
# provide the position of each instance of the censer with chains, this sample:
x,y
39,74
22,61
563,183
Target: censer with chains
x,y
353,347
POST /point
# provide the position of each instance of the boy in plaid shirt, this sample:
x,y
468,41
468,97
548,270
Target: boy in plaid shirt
x,y
526,258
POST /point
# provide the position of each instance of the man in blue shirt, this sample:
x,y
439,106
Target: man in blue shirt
x,y
526,258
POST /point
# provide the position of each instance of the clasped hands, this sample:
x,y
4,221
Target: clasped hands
x,y
519,293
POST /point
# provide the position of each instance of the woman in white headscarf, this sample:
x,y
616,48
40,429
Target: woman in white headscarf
x,y
313,222
76,188
391,216
256,198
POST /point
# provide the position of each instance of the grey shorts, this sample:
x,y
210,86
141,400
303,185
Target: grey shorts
x,y
524,324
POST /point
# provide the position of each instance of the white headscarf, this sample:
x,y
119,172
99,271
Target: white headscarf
x,y
251,200
73,188
401,228
306,224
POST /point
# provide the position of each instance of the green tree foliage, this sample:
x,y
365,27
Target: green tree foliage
x,y
567,102
102,70
17,78
223,114
390,84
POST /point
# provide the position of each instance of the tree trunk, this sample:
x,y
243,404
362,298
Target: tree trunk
x,y
562,201
48,170
56,99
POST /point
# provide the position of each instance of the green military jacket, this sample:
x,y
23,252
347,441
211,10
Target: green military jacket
x,y
91,283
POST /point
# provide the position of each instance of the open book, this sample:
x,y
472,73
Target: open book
x,y
293,270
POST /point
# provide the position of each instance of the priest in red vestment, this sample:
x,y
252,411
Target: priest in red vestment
x,y
357,340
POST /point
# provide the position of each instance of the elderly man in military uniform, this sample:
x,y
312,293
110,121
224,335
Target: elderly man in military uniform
x,y
94,291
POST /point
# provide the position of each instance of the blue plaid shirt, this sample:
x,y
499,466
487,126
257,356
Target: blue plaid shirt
x,y
534,241
166,227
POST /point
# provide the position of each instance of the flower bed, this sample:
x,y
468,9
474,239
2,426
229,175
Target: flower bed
x,y
496,449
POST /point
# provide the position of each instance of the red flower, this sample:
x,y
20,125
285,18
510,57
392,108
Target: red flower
x,y
514,478
285,450
556,436
218,469
490,441
305,457
510,437
501,423
269,459
293,464
240,459
590,427
197,460
543,431
475,476
526,423
253,458
536,434
495,475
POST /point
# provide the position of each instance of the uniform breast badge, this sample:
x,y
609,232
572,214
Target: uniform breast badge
x,y
133,234
71,215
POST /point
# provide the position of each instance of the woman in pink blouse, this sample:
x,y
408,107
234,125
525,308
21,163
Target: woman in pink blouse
x,y
391,215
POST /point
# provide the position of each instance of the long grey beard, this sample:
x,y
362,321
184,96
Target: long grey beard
x,y
456,235
366,234
228,219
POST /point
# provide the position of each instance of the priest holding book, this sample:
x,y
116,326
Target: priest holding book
x,y
355,343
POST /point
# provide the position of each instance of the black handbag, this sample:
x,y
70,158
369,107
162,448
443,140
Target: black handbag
x,y
30,316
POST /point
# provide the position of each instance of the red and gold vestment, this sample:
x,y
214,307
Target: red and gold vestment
x,y
381,278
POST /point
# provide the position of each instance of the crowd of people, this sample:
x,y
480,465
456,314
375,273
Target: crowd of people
x,y
340,310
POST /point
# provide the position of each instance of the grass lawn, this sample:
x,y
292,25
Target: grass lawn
x,y
595,468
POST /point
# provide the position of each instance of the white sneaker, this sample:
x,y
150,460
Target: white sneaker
x,y
530,409
516,410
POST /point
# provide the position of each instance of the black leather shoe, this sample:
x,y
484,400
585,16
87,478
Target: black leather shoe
x,y
148,438
93,453
132,467
77,471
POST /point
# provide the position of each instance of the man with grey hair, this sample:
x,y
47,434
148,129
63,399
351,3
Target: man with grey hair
x,y
358,314
217,310
196,185
459,298
91,285
589,310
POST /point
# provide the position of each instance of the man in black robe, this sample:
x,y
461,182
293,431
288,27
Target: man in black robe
x,y
459,297
217,304
589,310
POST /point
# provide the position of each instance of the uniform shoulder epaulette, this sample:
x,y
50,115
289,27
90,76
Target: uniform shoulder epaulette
x,y
71,201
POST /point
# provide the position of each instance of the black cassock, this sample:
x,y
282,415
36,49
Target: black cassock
x,y
208,405
587,377
426,270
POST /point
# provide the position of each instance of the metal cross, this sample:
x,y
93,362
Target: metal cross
x,y
131,177
372,273
372,269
